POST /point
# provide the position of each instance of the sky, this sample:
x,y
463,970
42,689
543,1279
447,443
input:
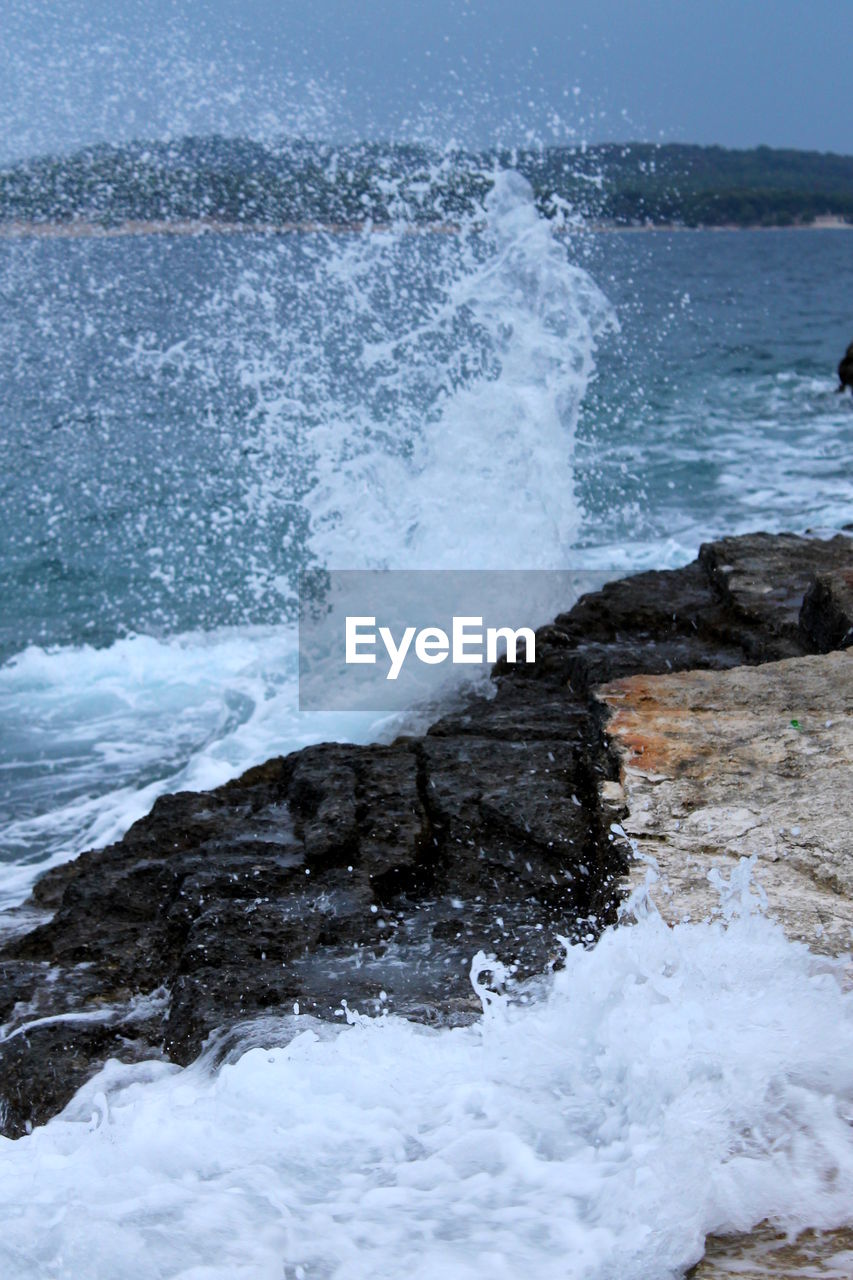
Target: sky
x,y
734,72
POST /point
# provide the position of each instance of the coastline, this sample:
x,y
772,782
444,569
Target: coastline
x,y
536,775
86,230
657,723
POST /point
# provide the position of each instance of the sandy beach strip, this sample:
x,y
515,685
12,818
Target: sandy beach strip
x,y
80,229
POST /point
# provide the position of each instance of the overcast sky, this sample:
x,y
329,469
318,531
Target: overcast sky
x,y
736,72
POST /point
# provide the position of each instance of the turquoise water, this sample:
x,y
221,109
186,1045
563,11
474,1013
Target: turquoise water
x,y
159,397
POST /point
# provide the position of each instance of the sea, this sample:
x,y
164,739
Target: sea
x,y
188,421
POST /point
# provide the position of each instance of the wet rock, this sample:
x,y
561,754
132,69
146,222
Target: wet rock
x,y
769,1254
845,369
763,578
373,874
367,875
739,602
826,618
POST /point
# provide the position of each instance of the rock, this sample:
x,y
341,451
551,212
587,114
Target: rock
x,y
763,579
739,602
372,874
363,874
767,1254
826,618
754,761
845,369
717,766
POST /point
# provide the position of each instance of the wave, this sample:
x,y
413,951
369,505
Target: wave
x,y
93,736
351,401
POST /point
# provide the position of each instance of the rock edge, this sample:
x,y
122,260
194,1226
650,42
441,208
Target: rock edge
x,y
372,874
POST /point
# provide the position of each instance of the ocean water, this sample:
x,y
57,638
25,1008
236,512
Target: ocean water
x,y
188,422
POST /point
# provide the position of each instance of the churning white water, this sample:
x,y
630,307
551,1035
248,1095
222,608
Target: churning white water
x,y
489,482
121,725
666,1084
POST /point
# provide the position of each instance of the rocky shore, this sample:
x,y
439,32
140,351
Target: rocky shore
x,y
705,708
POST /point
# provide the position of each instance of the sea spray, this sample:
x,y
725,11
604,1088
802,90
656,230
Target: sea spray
x,y
487,479
243,406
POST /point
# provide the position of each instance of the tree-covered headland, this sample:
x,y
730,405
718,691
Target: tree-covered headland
x,y
242,182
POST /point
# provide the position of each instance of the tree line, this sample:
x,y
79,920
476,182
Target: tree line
x,y
244,182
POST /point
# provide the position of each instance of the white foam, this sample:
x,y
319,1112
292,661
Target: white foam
x,y
668,1083
738,453
100,733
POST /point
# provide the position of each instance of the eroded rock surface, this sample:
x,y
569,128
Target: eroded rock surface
x,y
766,1254
754,761
373,874
367,875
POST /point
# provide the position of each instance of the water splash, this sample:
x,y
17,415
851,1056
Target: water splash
x,y
412,399
487,480
405,396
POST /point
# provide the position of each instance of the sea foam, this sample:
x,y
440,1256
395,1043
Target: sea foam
x,y
666,1084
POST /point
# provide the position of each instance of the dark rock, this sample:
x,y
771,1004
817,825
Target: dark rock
x,y
369,874
373,874
763,578
845,369
826,618
738,603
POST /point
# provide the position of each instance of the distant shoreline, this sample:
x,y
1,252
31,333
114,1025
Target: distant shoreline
x,y
83,230
828,222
